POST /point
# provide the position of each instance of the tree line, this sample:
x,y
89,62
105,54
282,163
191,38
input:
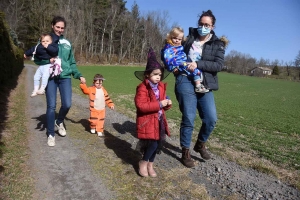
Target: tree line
x,y
105,31
101,31
239,63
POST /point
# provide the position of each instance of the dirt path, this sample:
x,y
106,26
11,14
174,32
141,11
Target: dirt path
x,y
60,172
63,172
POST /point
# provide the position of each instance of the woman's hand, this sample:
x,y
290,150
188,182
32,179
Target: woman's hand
x,y
191,66
25,56
82,80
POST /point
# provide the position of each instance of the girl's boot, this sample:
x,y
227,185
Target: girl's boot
x,y
151,171
143,171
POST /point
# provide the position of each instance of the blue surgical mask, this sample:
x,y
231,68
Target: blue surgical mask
x,y
203,31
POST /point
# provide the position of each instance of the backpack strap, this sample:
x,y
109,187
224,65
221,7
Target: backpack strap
x,y
32,58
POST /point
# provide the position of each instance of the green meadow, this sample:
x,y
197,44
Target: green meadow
x,y
258,116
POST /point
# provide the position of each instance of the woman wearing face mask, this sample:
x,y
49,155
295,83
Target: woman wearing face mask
x,y
206,51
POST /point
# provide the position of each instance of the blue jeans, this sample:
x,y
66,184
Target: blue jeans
x,y
65,89
189,101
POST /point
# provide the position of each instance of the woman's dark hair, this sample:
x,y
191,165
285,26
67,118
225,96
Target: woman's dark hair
x,y
208,13
58,19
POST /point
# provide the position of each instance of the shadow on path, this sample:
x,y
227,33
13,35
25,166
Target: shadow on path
x,y
123,150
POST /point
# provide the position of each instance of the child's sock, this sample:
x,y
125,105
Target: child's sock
x,y
42,87
36,88
199,85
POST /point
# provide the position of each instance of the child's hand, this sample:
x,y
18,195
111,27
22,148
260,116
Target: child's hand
x,y
170,102
112,107
52,60
164,103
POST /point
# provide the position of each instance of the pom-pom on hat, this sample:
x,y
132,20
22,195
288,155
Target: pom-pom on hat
x,y
152,64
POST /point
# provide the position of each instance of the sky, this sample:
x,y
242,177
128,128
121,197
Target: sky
x,y
268,29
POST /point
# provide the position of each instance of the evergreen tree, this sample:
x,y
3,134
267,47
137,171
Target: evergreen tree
x,y
275,70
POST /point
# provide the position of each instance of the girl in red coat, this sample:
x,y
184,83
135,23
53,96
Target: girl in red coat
x,y
151,102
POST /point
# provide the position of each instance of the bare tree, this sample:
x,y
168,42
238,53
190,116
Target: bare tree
x,y
297,62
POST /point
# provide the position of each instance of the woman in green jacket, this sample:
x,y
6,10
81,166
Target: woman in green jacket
x,y
62,81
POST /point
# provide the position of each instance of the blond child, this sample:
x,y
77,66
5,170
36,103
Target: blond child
x,y
176,60
45,50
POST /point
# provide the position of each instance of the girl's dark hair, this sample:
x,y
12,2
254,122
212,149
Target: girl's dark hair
x,y
58,19
208,13
148,72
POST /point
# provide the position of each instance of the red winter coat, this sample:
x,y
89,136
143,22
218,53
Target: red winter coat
x,y
147,107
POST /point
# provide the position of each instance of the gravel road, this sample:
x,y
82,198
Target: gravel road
x,y
56,170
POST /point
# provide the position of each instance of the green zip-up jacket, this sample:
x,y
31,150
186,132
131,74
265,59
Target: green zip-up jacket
x,y
68,63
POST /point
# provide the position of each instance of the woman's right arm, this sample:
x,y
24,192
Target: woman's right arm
x,y
216,64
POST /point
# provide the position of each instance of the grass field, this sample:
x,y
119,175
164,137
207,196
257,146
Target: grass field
x,y
258,116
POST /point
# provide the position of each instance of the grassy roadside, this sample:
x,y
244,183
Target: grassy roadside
x,y
16,182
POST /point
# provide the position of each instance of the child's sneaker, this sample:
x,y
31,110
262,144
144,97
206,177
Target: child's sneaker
x,y
41,91
201,89
100,134
51,141
93,130
61,129
33,94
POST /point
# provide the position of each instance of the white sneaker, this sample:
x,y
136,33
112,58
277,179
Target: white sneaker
x,y
41,91
33,94
100,134
61,129
201,90
51,141
93,130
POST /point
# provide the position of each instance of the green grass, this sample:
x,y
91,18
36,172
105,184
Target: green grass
x,y
255,114
16,182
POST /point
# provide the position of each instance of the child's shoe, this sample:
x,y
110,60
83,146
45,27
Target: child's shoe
x,y
201,89
100,134
93,130
143,170
41,91
151,171
33,94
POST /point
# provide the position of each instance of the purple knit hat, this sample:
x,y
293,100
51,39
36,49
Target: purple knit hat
x,y
152,64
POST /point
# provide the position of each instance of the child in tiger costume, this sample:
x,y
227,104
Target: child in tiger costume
x,y
98,98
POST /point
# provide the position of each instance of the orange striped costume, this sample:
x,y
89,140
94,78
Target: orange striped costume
x,y
98,99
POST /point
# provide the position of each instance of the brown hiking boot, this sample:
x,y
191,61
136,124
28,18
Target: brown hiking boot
x,y
186,158
200,148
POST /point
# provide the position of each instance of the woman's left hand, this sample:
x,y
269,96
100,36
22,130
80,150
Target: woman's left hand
x,y
191,66
82,80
